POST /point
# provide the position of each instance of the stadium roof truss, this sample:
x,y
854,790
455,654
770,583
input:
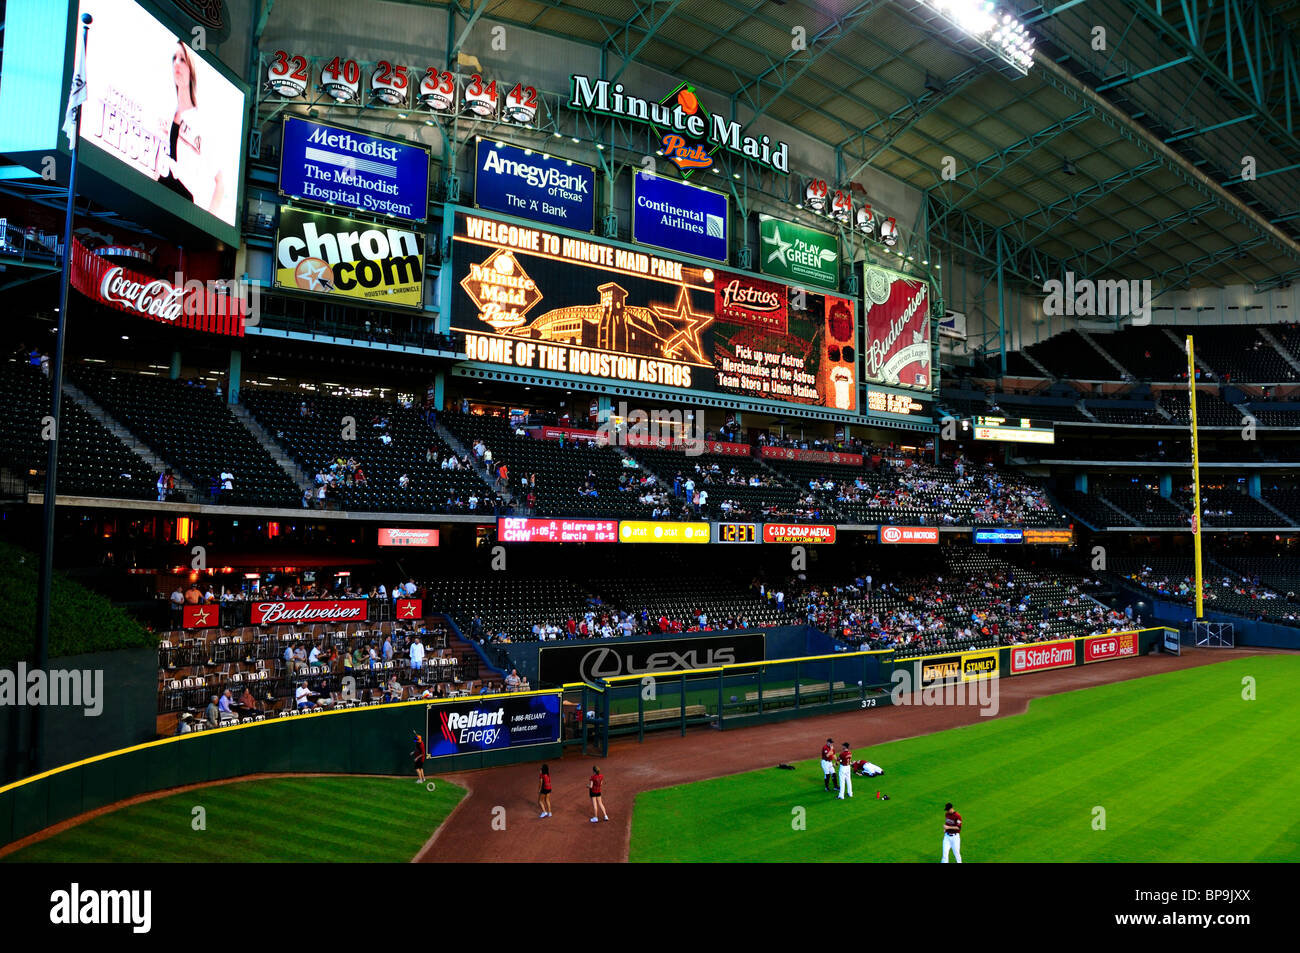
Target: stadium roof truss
x,y
1125,159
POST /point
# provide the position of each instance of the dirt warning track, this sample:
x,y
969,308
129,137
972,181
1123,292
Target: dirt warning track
x,y
666,759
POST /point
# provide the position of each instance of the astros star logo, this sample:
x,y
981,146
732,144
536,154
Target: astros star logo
x,y
201,617
312,274
687,338
781,249
408,611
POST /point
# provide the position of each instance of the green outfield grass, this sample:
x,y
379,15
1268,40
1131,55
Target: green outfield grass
x,y
1184,768
322,820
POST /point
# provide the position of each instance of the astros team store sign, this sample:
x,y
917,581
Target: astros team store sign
x,y
689,134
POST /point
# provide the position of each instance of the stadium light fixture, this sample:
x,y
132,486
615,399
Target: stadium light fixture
x,y
996,29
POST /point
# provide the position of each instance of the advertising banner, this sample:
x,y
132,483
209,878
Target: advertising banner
x,y
683,218
797,533
348,260
653,531
798,253
896,351
883,402
536,300
940,668
1173,642
1055,537
565,664
811,456
534,185
372,174
520,530
200,617
492,723
195,305
408,609
1103,648
1000,534
1040,658
407,537
979,665
161,109
909,534
314,610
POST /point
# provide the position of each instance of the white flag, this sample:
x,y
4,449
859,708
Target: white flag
x,y
76,96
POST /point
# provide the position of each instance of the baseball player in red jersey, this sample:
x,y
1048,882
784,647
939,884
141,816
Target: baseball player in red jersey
x,y
846,774
951,832
828,763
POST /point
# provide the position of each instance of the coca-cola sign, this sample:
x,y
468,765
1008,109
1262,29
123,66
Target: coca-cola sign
x,y
284,613
155,298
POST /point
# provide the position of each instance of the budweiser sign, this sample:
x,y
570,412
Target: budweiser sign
x,y
153,298
272,613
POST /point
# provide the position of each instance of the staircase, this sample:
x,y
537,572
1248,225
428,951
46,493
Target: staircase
x,y
1123,371
1042,368
480,468
268,442
1085,411
1285,520
155,463
1204,368
1267,335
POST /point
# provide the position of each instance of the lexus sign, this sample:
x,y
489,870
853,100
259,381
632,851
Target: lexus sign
x,y
565,664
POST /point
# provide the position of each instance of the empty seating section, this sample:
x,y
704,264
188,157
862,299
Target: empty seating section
x,y
193,429
1141,500
1239,354
92,461
1037,410
1228,587
1145,352
1228,506
315,431
1285,498
562,470
1211,409
510,606
1124,412
1275,413
1288,335
724,602
1017,365
1069,355
1092,509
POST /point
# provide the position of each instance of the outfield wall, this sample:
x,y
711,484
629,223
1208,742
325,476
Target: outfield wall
x,y
371,740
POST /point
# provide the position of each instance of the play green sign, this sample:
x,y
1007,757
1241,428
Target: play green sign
x,y
798,254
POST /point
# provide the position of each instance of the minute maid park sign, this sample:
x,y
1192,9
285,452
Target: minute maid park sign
x,y
689,134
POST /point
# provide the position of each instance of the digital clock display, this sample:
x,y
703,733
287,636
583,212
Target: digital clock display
x,y
737,533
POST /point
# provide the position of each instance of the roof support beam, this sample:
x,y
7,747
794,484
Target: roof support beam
x,y
648,35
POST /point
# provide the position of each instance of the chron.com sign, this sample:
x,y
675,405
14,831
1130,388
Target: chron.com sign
x,y
584,663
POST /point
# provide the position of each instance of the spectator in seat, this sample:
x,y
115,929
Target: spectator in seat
x,y
417,654
227,480
213,714
225,707
304,697
512,681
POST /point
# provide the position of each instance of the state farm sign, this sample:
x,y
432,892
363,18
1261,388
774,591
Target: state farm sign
x,y
1102,648
1038,658
909,534
272,613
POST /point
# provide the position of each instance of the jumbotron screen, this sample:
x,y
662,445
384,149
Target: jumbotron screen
x,y
542,301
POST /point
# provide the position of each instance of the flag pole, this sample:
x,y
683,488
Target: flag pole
x,y
76,97
1196,479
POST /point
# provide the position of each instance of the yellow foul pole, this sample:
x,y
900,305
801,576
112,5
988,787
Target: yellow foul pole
x,y
1196,479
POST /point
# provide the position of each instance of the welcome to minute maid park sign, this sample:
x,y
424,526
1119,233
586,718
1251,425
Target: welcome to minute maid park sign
x,y
689,135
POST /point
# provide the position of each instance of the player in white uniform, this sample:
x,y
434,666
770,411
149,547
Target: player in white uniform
x,y
846,773
951,832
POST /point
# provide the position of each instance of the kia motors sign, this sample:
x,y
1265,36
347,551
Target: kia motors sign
x,y
407,537
1103,648
200,617
492,723
1040,658
519,530
909,534
565,664
318,610
797,533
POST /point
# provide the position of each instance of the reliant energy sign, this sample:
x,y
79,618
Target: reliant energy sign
x,y
689,135
344,258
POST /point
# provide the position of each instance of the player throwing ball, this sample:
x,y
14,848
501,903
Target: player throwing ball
x,y
951,832
828,763
846,773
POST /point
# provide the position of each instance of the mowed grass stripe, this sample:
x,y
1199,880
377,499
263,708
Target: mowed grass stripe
x,y
334,819
1183,766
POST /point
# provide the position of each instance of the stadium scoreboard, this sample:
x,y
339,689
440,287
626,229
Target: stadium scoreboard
x,y
1010,429
736,533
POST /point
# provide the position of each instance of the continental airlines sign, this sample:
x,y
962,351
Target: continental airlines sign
x,y
689,134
